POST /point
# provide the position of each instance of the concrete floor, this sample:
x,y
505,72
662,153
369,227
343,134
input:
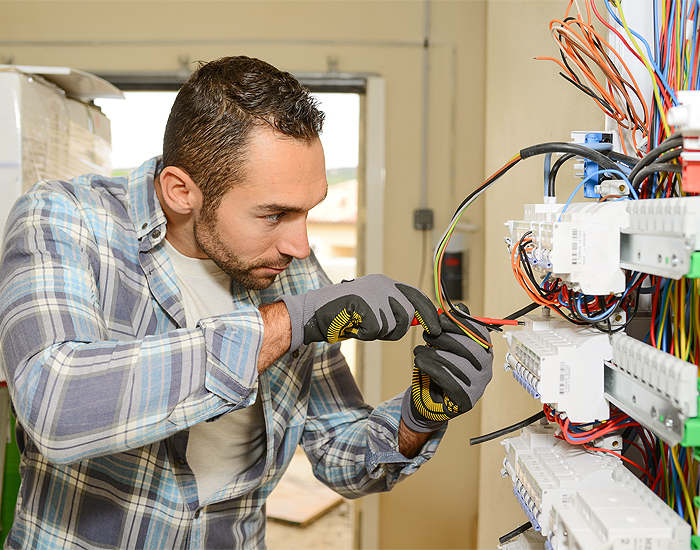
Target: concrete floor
x,y
333,531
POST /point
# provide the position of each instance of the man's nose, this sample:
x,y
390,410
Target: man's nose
x,y
295,241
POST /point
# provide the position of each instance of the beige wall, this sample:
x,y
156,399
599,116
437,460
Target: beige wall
x,y
527,103
488,99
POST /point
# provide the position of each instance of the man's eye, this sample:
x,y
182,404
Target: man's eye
x,y
273,218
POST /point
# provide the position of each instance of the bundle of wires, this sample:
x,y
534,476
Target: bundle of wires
x,y
675,318
582,309
580,47
652,170
586,434
446,304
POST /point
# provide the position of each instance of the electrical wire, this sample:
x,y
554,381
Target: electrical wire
x,y
509,429
514,533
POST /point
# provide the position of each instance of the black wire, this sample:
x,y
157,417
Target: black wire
x,y
514,533
630,316
503,431
488,183
674,154
524,311
466,315
653,168
458,312
528,271
624,159
553,173
674,141
586,90
577,149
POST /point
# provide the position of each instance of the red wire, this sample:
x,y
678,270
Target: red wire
x,y
618,455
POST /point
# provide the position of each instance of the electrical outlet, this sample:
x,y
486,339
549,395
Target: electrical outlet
x,y
423,218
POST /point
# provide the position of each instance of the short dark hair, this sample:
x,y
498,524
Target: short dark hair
x,y
209,127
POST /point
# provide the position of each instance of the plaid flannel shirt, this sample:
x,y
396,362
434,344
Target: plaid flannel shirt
x,y
105,382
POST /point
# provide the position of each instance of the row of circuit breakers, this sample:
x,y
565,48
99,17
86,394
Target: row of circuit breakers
x,y
576,499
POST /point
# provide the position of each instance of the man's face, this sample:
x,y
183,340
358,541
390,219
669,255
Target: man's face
x,y
260,225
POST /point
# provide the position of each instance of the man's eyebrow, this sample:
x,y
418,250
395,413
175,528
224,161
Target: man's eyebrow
x,y
274,207
264,208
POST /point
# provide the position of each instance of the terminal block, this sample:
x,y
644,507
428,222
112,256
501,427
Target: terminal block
x,y
663,237
582,500
589,245
561,364
657,389
580,246
623,514
546,471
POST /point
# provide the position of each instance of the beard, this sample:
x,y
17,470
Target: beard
x,y
229,262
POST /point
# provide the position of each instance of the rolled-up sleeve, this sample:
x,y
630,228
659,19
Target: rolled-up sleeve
x,y
352,447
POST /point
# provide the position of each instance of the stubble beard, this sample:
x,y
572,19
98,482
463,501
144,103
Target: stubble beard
x,y
229,262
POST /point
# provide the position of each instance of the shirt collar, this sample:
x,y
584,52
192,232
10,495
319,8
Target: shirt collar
x,y
145,206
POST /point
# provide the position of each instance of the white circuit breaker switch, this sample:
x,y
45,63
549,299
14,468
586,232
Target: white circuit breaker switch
x,y
546,471
581,245
562,364
624,514
687,117
586,501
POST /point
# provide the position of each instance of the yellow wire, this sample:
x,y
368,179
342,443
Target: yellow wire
x,y
647,65
664,314
688,502
675,315
682,349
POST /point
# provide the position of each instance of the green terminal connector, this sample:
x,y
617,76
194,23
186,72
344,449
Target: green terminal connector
x,y
695,542
694,271
691,430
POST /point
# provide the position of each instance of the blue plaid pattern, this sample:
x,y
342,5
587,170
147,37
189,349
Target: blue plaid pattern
x,y
105,382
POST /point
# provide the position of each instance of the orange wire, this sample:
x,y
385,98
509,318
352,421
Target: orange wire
x,y
586,43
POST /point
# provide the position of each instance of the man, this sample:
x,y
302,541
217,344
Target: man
x,y
169,339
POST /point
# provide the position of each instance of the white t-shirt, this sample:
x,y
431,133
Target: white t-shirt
x,y
221,450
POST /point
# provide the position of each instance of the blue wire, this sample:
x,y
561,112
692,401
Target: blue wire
x,y
669,36
650,57
547,166
591,176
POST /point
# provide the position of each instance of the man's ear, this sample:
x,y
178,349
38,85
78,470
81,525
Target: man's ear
x,y
179,192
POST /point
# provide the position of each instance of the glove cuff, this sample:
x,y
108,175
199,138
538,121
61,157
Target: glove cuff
x,y
295,308
414,421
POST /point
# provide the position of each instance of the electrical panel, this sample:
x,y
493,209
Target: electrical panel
x,y
612,354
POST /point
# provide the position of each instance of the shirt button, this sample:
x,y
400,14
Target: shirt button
x,y
196,514
144,226
181,462
295,353
155,234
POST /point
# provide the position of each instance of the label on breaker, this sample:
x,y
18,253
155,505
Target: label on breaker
x,y
564,378
578,246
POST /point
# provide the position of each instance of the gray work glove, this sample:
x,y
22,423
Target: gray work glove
x,y
449,376
373,307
